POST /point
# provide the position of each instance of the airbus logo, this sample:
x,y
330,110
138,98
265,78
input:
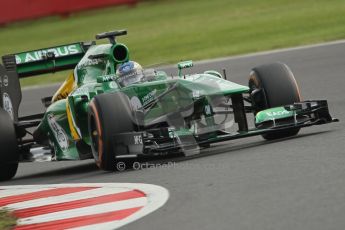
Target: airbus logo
x,y
38,55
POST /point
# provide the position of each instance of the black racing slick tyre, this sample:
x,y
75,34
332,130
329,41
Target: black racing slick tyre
x,y
109,114
9,154
279,88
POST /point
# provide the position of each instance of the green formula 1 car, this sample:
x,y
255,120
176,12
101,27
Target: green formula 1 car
x,y
111,109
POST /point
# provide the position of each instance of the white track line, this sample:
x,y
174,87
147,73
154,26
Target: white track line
x,y
35,87
268,52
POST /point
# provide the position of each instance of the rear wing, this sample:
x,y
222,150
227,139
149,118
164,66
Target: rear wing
x,y
31,63
47,60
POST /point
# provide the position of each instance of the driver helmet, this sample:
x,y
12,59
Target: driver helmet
x,y
129,73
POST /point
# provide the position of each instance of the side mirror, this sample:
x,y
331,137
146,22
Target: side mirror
x,y
183,65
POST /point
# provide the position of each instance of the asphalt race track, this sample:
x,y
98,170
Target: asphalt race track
x,y
295,183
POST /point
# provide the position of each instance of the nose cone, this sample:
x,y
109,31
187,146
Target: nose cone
x,y
208,85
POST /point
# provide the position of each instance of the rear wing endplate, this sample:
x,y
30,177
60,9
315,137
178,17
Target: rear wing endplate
x,y
48,60
10,93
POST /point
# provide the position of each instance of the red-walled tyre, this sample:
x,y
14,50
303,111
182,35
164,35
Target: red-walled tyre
x,y
108,114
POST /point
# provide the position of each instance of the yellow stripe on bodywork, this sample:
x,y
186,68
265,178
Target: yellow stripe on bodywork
x,y
71,124
65,89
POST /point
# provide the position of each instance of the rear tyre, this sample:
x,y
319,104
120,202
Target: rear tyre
x,y
279,88
9,154
108,114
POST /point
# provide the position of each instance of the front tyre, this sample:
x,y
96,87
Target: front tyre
x,y
279,88
108,114
9,154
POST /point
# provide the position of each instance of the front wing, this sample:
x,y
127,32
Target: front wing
x,y
162,141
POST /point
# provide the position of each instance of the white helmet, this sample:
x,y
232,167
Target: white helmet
x,y
129,73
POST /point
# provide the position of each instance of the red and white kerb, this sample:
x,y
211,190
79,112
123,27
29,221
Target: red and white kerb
x,y
81,206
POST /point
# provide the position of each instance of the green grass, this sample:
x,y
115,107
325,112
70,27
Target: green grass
x,y
174,30
6,220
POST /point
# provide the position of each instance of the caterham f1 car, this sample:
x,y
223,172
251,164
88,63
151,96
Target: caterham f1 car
x,y
111,109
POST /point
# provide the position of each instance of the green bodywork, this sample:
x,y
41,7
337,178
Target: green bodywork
x,y
95,74
272,114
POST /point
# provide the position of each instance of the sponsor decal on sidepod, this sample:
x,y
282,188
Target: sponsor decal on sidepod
x,y
59,133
